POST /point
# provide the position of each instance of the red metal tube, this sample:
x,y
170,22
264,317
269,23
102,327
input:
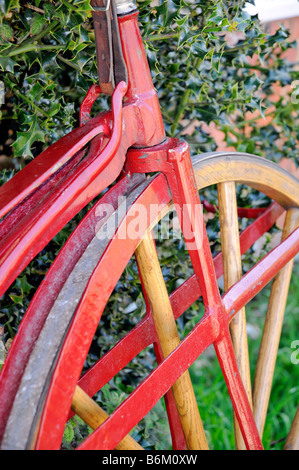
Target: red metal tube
x,y
140,85
226,357
259,276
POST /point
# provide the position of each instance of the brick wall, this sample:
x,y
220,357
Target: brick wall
x,y
292,55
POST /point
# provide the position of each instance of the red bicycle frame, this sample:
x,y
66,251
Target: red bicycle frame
x,y
55,186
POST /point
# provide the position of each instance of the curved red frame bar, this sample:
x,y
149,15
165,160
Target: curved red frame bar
x,y
67,180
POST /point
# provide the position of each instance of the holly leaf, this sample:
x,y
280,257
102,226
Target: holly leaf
x,y
25,140
37,24
6,5
6,32
16,299
7,64
22,284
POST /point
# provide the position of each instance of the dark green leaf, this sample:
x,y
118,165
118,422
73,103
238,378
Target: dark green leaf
x,y
25,140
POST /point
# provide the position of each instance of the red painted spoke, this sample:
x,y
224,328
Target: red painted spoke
x,y
248,213
118,357
136,340
227,361
259,276
147,394
261,225
175,425
181,299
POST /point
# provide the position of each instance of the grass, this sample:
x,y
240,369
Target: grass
x,y
211,392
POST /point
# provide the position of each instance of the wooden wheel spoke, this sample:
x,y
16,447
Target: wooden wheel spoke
x,y
292,442
167,333
272,332
93,415
232,272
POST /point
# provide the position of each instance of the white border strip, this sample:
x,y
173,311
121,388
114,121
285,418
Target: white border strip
x,y
272,10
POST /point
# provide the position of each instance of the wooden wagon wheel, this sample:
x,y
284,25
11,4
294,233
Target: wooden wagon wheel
x,y
48,383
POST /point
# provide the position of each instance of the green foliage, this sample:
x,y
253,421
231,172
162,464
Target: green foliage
x,y
211,62
47,62
200,76
75,431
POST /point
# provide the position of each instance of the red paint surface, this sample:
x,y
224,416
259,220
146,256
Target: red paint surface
x,y
49,191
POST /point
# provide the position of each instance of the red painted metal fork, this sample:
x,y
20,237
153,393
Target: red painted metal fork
x,y
173,158
55,186
33,229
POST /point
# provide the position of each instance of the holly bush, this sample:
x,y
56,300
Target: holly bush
x,y
212,64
